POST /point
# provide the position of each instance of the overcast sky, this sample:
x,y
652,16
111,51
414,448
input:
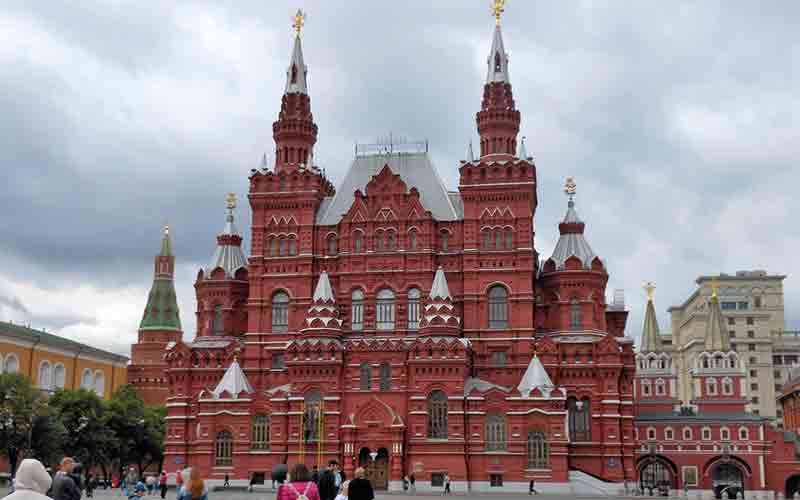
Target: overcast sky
x,y
678,120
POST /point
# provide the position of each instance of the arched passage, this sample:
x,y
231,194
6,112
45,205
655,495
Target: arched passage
x,y
727,480
657,475
792,486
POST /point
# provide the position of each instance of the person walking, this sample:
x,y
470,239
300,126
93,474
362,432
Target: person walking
x,y
194,488
150,482
227,481
343,491
299,487
532,488
446,485
162,484
360,488
64,486
179,480
327,482
90,485
411,485
315,475
130,480
31,481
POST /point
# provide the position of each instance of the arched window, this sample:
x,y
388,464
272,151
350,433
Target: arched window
x,y
661,387
59,376
647,389
725,434
487,239
437,415
313,419
687,434
574,314
651,433
379,241
744,435
498,239
727,386
273,246
580,428
223,449
259,439
412,239
358,241
87,379
217,326
357,310
366,376
385,310
705,433
11,364
331,244
538,451
413,308
495,433
45,375
444,241
292,245
711,386
498,307
391,240
99,383
386,376
280,312
281,246
509,238
669,434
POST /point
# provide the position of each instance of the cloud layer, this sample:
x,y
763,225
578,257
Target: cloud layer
x,y
677,120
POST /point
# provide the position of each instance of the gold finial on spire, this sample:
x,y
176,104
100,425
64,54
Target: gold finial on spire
x,y
498,6
166,229
714,287
230,201
299,21
570,188
649,289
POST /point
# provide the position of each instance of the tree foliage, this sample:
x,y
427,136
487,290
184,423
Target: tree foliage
x,y
19,402
84,417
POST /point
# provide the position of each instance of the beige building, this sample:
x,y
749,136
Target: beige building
x,y
752,306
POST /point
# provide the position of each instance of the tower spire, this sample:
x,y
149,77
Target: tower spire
x,y
295,132
161,311
651,337
717,336
498,120
229,255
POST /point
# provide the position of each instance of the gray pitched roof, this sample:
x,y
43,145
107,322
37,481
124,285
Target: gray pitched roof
x,y
572,243
501,75
535,376
482,386
299,85
229,257
234,382
415,169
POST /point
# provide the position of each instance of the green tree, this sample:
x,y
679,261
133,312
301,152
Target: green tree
x,y
19,401
84,417
47,439
139,430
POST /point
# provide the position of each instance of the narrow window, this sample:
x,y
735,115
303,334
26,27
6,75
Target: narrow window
x,y
260,432
45,379
444,242
579,422
358,241
278,362
498,307
366,376
509,238
413,309
218,326
385,311
412,240
281,246
391,240
498,359
273,247
379,241
332,250
357,310
292,245
280,312
487,239
224,449
495,433
313,420
437,415
498,239
386,376
574,314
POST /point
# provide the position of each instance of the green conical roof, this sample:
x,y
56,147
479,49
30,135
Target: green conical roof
x,y
161,312
651,337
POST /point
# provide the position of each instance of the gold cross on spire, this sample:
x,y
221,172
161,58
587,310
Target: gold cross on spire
x,y
498,6
570,188
230,200
649,289
299,21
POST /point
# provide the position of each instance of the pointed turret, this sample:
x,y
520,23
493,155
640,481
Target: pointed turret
x,y
535,377
161,312
470,157
523,153
233,383
323,316
229,255
498,120
571,242
717,336
295,132
439,316
651,337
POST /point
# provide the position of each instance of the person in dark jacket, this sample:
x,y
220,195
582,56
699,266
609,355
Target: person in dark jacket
x,y
64,486
360,488
327,482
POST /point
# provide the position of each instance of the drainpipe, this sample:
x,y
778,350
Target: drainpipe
x,y
466,442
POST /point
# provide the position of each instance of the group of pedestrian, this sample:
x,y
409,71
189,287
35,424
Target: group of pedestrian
x,y
330,484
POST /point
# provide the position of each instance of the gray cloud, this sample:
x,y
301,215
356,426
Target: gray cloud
x,y
677,122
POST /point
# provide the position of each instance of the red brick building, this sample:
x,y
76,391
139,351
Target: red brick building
x,y
395,324
708,445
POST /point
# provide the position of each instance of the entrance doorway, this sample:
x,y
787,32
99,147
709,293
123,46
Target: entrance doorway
x,y
377,470
655,478
727,481
792,486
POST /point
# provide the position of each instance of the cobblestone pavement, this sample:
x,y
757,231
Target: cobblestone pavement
x,y
267,494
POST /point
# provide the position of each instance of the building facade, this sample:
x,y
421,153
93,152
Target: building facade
x,y
400,326
52,362
709,441
752,302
